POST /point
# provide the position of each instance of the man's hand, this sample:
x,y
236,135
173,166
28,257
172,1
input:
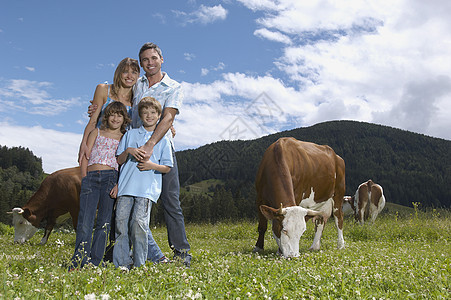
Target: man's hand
x,y
148,150
137,153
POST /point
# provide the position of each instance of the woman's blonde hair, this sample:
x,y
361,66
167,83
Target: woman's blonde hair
x,y
123,65
115,107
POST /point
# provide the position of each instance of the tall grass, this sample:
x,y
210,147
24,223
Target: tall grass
x,y
395,258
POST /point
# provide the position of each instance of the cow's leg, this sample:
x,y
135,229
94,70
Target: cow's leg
x,y
373,212
319,227
262,227
361,211
338,218
48,230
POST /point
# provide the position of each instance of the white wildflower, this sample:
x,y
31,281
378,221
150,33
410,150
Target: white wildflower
x,y
90,296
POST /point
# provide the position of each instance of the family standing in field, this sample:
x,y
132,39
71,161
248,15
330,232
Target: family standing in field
x,y
127,152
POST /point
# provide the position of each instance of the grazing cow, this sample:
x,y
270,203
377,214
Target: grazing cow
x,y
57,197
368,201
296,181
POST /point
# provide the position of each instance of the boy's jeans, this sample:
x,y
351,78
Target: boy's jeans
x,y
132,224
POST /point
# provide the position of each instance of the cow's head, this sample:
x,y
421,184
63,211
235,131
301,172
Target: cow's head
x,y
23,230
288,226
348,205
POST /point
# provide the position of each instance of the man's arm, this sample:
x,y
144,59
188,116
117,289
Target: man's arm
x,y
163,126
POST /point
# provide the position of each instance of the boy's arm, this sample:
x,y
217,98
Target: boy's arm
x,y
165,158
137,153
148,165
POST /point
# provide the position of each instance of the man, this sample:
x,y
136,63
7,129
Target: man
x,y
157,84
168,92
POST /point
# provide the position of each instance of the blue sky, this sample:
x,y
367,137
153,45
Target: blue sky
x,y
248,67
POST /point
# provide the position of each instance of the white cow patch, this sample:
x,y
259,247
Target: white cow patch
x,y
23,230
293,228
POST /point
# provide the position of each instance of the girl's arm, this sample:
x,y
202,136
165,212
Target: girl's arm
x,y
100,97
89,144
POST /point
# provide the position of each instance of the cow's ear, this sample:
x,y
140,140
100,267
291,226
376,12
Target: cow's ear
x,y
26,213
269,212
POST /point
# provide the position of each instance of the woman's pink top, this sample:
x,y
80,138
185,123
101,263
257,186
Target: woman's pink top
x,y
104,152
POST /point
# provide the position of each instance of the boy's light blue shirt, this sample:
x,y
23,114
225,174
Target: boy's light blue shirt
x,y
168,92
132,181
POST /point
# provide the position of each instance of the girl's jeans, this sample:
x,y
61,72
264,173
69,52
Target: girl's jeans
x,y
94,195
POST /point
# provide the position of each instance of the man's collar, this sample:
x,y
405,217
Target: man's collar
x,y
165,80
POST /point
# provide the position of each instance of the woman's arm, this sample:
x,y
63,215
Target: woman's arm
x,y
89,144
100,96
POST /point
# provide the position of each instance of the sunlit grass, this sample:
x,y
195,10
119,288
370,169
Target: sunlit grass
x,y
395,258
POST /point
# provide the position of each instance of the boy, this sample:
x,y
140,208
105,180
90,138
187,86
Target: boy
x,y
139,185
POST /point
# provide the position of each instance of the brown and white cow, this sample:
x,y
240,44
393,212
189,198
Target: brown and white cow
x,y
296,181
368,201
56,199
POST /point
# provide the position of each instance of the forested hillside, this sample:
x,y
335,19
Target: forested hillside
x,y
410,167
20,176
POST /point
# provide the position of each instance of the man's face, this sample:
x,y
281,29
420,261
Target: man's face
x,y
151,62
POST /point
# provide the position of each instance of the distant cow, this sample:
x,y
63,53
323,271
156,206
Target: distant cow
x,y
56,198
296,181
367,202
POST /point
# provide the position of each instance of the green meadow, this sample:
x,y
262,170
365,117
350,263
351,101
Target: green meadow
x,y
401,256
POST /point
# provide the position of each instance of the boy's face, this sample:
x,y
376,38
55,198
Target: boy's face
x,y
149,116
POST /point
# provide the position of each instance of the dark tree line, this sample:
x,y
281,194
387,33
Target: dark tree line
x,y
20,176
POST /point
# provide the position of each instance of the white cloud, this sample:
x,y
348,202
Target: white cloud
x,y
189,56
31,69
57,149
31,97
384,61
204,71
272,36
204,15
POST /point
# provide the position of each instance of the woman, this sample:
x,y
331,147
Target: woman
x,y
121,90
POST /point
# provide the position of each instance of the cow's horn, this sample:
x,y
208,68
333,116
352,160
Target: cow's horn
x,y
17,210
280,209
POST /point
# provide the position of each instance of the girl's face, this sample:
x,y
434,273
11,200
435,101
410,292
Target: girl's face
x,y
129,77
115,121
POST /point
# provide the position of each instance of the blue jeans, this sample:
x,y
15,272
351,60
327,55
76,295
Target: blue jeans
x,y
173,215
132,225
94,196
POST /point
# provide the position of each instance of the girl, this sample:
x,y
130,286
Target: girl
x,y
99,185
121,90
